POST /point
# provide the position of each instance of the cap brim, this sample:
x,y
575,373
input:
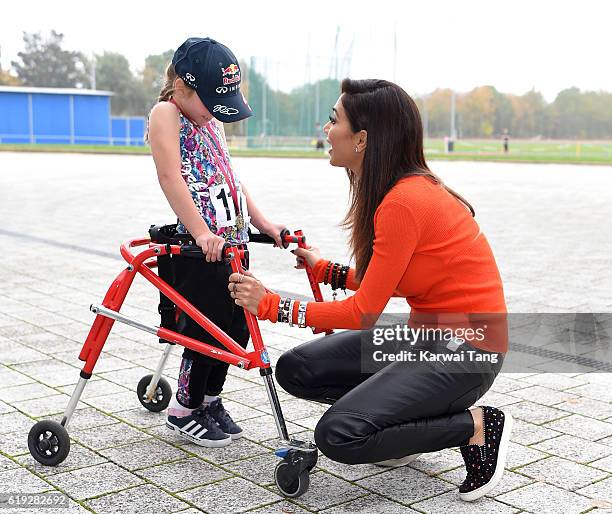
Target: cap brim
x,y
228,109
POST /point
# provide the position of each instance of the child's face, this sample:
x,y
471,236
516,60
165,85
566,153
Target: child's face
x,y
192,106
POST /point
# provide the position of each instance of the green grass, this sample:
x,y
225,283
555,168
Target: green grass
x,y
565,152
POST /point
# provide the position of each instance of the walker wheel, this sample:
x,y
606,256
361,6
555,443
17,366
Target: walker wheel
x,y
161,397
290,482
48,442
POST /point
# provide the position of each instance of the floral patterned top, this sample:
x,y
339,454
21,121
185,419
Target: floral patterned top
x,y
201,168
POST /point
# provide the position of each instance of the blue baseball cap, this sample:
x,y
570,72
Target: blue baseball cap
x,y
212,70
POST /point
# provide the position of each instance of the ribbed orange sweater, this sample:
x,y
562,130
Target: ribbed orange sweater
x,y
427,248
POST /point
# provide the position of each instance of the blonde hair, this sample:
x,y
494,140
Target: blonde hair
x,y
167,89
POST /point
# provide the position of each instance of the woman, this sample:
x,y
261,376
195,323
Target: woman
x,y
411,236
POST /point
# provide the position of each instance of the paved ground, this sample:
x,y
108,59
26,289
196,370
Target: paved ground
x,y
63,217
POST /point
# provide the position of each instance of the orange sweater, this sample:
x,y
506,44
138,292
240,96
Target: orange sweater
x,y
427,248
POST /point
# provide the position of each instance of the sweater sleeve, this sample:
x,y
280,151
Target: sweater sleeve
x,y
319,273
395,238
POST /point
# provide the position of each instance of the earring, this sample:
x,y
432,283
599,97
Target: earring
x,y
356,150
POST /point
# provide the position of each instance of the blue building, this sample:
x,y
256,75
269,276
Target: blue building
x,y
41,115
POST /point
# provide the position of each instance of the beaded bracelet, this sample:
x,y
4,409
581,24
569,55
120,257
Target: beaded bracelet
x,y
326,275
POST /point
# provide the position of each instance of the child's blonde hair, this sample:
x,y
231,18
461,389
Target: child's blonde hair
x,y
167,89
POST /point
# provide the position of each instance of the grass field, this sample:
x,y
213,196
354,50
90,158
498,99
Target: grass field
x,y
566,152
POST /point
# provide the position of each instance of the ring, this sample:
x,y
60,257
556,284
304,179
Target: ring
x,y
240,279
235,286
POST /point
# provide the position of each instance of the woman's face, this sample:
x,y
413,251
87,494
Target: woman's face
x,y
343,140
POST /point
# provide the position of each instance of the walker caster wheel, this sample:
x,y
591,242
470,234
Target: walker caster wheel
x,y
161,396
48,442
290,481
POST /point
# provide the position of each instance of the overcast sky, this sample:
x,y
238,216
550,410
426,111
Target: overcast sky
x,y
515,45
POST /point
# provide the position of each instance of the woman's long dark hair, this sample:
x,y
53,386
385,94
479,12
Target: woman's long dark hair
x,y
394,150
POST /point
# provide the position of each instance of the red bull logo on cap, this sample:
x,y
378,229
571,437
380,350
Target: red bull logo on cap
x,y
234,74
232,69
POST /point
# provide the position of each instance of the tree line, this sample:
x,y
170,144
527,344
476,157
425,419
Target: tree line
x,y
482,112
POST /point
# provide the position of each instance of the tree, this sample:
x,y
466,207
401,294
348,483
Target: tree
x,y
44,63
153,75
6,79
113,74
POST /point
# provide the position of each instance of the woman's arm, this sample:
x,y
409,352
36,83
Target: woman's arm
x,y
396,236
164,137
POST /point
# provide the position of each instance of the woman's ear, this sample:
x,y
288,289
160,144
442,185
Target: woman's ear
x,y
362,140
179,84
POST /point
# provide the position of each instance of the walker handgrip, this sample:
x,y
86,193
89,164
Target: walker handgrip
x,y
285,235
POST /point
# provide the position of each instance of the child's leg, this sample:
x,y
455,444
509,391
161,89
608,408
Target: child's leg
x,y
239,332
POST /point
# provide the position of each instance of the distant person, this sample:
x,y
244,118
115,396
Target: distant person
x,y
201,92
506,140
319,137
412,237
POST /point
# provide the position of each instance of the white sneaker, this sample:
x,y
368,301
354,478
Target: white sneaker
x,y
396,463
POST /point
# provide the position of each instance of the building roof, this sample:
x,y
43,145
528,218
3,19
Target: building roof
x,y
54,91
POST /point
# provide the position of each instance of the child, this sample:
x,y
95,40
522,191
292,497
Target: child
x,y
194,171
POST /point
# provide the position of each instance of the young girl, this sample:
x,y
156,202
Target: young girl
x,y
194,171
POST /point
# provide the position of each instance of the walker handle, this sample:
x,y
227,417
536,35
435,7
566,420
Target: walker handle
x,y
285,235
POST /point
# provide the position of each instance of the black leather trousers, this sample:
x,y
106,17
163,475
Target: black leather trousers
x,y
403,408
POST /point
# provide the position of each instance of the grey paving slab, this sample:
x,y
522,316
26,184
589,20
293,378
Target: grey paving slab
x,y
85,418
50,372
45,406
600,491
21,480
527,433
519,455
533,412
587,407
26,392
232,495
351,472
183,474
239,449
562,473
142,454
574,448
581,426
108,436
94,480
544,395
259,469
438,462
131,501
450,502
546,499
393,485
14,443
79,457
282,507
372,503
13,378
509,481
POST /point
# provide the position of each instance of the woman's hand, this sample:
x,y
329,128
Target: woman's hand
x,y
212,246
310,255
274,230
246,290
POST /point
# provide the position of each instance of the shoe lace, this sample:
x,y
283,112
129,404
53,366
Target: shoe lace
x,y
204,416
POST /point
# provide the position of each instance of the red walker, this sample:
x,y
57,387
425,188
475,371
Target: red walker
x,y
49,442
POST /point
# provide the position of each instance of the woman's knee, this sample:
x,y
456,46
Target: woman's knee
x,y
292,374
343,437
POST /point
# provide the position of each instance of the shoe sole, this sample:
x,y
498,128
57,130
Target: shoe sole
x,y
208,443
235,436
397,463
499,466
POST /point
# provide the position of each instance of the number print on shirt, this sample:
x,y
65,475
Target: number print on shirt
x,y
224,205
